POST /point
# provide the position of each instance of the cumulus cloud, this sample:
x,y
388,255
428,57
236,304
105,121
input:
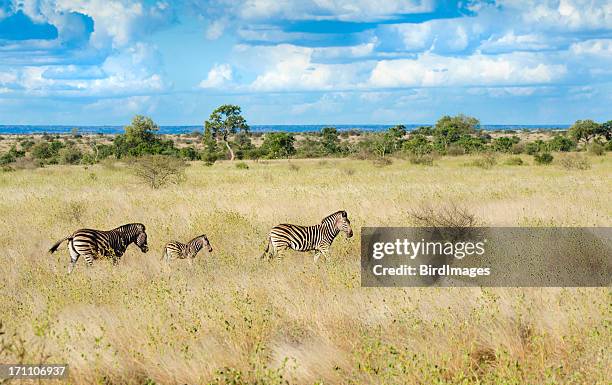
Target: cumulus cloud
x,y
430,70
218,76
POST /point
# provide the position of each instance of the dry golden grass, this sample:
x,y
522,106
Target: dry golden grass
x,y
231,317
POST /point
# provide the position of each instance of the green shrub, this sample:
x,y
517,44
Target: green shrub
x,y
278,145
514,161
242,166
417,145
504,144
189,153
70,155
560,143
543,158
533,148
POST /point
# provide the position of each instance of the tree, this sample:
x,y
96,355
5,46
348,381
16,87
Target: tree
x,y
140,139
605,130
450,129
225,121
330,140
396,136
583,130
278,145
210,146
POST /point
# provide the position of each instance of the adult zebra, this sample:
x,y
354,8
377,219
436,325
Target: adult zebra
x,y
188,250
307,238
92,244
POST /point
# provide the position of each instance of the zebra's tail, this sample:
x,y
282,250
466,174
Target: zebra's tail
x,y
58,243
267,248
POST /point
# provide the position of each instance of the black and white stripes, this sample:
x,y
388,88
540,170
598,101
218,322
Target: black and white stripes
x,y
188,250
306,238
93,244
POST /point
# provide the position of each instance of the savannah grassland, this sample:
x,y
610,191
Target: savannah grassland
x,y
231,318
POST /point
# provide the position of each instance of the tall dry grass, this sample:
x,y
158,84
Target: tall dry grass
x,y
234,319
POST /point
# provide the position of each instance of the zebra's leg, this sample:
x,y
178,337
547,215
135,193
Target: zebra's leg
x,y
74,257
89,259
321,251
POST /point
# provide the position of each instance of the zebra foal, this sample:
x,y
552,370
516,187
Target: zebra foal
x,y
307,238
93,244
187,250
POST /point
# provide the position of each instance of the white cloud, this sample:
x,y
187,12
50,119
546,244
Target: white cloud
x,y
219,75
292,68
563,14
596,47
430,70
215,29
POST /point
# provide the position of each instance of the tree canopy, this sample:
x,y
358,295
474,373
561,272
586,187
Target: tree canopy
x,y
225,121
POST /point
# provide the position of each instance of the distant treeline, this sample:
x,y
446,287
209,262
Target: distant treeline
x,y
226,135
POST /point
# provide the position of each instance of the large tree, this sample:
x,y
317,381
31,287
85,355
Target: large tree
x,y
226,120
583,130
449,129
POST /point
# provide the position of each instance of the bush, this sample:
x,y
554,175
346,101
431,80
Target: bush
x,y
70,155
504,144
242,166
310,148
418,145
486,161
46,150
596,149
543,158
278,145
518,148
449,215
575,162
159,170
189,153
560,143
514,161
423,159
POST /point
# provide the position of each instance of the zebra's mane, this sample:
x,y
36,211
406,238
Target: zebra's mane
x,y
203,236
130,226
332,216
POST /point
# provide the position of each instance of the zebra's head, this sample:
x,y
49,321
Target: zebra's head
x,y
343,223
141,238
206,243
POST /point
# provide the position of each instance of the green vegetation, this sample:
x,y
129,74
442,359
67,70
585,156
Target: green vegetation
x,y
543,158
226,135
224,121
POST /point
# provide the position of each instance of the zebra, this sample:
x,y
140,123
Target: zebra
x,y
92,244
307,238
188,250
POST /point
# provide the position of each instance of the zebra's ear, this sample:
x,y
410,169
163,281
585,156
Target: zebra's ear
x,y
344,214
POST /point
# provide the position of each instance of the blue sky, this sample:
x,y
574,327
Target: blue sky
x,y
305,62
